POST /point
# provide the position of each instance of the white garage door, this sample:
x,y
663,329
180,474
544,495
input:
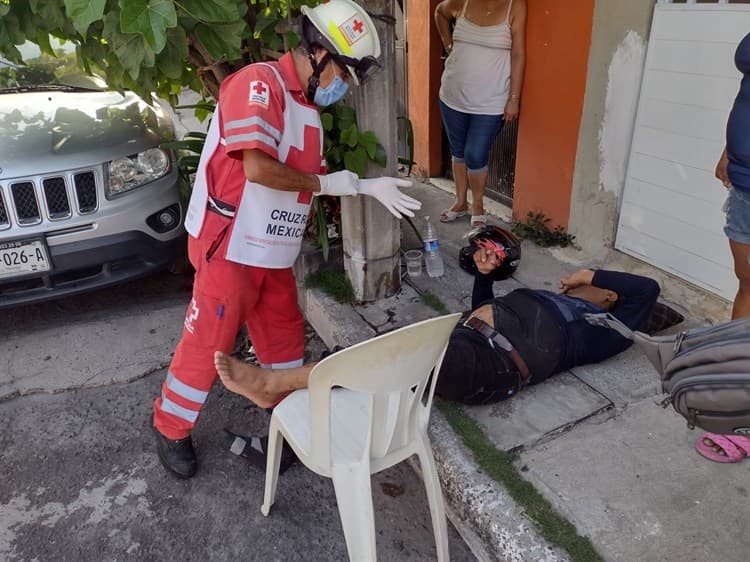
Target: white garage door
x,y
671,212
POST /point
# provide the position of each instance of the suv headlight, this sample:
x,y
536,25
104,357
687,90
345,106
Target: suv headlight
x,y
134,171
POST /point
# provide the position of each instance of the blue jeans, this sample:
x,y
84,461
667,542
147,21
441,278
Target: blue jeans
x,y
737,208
470,136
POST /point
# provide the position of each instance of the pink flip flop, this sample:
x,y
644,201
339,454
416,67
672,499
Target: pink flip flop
x,y
735,447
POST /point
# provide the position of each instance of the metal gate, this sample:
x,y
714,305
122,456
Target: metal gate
x,y
502,176
671,206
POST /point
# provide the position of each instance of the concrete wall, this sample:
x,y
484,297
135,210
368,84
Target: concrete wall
x,y
558,36
618,48
425,68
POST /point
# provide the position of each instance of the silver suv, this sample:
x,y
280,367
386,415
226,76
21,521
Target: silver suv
x,y
87,197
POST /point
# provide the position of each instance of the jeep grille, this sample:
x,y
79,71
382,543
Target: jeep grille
x,y
86,192
24,199
32,200
57,198
4,221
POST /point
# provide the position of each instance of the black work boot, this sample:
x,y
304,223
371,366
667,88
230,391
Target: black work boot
x,y
177,456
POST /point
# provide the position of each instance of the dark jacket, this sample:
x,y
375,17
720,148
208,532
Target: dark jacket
x,y
537,313
548,330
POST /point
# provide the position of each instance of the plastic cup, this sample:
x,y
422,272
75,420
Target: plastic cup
x,y
413,263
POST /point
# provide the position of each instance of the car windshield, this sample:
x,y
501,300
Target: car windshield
x,y
41,71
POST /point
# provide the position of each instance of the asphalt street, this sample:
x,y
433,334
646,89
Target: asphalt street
x,y
81,480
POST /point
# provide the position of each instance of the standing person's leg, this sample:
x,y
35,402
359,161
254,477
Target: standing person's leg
x,y
456,127
741,254
276,328
483,129
275,324
737,229
733,448
212,321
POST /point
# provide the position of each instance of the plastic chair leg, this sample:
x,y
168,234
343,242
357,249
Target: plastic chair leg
x,y
273,462
354,498
434,498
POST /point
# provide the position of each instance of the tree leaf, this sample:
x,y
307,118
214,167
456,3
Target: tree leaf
x,y
370,142
150,18
327,120
266,21
292,39
193,145
51,11
84,12
222,40
350,136
42,39
344,111
173,57
356,161
380,158
132,52
212,11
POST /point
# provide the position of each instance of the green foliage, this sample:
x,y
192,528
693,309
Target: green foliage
x,y
535,228
333,283
500,466
153,45
345,146
434,302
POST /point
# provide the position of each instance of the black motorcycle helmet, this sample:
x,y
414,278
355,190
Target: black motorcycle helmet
x,y
502,241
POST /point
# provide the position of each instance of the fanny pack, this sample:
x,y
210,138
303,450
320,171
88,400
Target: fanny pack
x,y
704,371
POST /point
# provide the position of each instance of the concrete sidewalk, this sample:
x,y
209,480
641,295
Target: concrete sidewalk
x,y
593,441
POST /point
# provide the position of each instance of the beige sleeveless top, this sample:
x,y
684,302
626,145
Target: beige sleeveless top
x,y
476,78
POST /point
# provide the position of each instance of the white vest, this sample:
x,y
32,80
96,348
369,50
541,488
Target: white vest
x,y
269,224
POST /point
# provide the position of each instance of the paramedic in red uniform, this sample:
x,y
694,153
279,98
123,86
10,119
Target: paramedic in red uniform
x,y
261,165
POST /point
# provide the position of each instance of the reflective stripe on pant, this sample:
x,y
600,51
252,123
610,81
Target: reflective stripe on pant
x,y
226,295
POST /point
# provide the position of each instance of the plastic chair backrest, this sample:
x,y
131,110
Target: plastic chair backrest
x,y
395,370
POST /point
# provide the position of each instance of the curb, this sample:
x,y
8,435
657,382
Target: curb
x,y
490,522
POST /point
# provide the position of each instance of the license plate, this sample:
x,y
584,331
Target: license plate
x,y
22,257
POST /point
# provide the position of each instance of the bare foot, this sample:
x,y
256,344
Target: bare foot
x,y
247,380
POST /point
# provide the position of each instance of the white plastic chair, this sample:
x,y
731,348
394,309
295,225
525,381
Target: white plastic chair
x,y
375,417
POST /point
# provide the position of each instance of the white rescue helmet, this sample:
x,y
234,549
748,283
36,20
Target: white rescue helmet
x,y
346,31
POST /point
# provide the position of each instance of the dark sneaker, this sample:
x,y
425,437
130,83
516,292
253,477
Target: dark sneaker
x,y
177,456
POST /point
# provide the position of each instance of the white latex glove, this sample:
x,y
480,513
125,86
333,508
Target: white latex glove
x,y
339,183
386,191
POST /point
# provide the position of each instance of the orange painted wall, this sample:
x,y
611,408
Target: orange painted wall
x,y
558,37
425,68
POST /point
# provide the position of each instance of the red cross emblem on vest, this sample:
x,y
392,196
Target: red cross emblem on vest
x,y
259,93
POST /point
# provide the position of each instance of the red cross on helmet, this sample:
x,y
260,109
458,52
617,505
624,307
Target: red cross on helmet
x,y
345,30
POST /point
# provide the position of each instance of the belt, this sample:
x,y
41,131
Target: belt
x,y
220,207
501,341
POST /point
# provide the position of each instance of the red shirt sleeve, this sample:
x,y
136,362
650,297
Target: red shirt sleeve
x,y
252,111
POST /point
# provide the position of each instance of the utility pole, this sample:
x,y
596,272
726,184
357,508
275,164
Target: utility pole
x,y
371,235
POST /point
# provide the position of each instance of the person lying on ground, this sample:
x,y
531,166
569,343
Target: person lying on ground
x,y
528,335
546,330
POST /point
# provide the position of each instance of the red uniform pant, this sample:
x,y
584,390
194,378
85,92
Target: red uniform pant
x,y
227,295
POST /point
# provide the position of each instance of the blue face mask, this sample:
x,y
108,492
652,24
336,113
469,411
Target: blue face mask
x,y
333,93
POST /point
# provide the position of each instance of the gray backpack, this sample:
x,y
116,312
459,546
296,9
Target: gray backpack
x,y
705,371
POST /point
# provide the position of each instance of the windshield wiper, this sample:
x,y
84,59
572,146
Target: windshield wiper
x,y
46,88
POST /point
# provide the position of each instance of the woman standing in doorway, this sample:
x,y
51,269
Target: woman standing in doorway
x,y
480,88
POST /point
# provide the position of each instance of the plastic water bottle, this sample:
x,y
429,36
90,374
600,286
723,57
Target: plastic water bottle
x,y
432,258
